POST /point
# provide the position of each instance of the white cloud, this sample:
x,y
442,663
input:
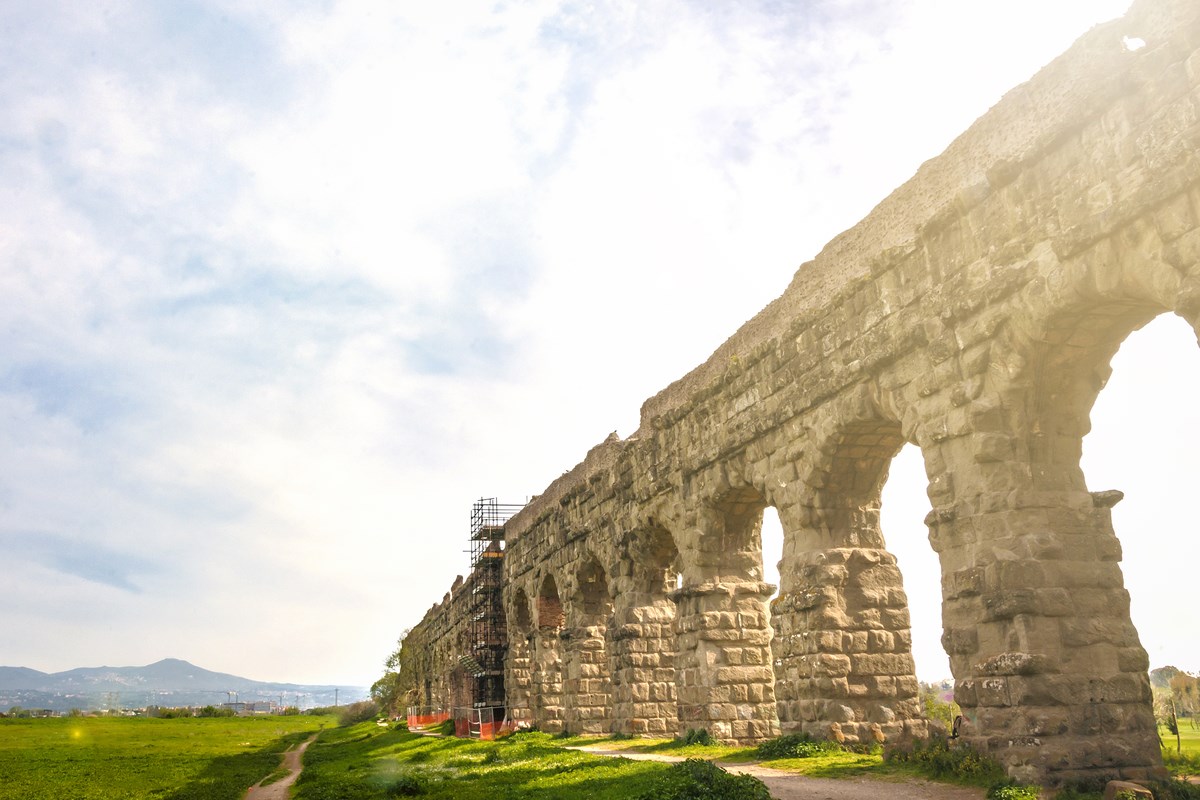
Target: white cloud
x,y
291,288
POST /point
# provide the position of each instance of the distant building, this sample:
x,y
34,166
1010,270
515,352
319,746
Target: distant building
x,y
245,709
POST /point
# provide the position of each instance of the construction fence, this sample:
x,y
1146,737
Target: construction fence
x,y
469,723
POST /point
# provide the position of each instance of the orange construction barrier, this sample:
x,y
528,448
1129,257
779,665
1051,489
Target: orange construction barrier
x,y
426,717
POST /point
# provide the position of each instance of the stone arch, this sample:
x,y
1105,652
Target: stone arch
x,y
595,601
1065,334
843,647
460,687
546,670
587,682
641,636
522,616
725,683
848,480
737,534
1037,617
550,614
518,664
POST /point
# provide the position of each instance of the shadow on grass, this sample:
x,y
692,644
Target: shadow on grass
x,y
712,752
228,777
840,765
376,764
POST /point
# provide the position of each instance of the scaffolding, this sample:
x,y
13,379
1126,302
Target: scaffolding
x,y
488,635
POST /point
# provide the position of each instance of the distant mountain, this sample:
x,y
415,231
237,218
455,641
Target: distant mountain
x,y
170,682
19,677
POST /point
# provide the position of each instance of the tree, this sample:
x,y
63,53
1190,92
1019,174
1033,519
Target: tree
x,y
1164,710
1161,677
1185,691
394,689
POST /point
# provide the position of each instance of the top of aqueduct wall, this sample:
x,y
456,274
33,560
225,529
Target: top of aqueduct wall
x,y
1027,121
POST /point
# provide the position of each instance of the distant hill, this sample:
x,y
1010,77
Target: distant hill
x,y
19,677
170,682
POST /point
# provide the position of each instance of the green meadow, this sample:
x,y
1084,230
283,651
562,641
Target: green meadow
x,y
1181,756
218,759
368,761
100,758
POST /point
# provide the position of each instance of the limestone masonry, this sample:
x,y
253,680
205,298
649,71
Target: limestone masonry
x,y
973,313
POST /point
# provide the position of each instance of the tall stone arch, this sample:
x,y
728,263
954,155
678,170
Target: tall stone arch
x,y
1049,667
843,648
642,636
587,678
725,682
518,663
546,672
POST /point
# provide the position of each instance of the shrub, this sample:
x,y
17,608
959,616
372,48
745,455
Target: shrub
x,y
697,779
357,712
213,711
1176,789
937,758
1008,790
699,736
322,711
406,786
937,709
793,745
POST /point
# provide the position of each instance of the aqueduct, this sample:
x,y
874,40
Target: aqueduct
x,y
973,313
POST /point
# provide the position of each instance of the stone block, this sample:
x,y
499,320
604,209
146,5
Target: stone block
x,y
881,642
881,664
1126,790
719,711
735,675
992,692
1175,218
1016,663
830,665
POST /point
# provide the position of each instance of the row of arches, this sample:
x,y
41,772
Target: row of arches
x,y
674,626
639,639
974,314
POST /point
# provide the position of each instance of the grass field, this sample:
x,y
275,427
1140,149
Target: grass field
x,y
97,758
1189,737
366,761
217,759
1182,757
840,764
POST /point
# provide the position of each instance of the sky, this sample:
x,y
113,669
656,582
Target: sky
x,y
287,286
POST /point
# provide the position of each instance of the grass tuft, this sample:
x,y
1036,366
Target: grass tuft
x,y
794,745
697,779
1007,790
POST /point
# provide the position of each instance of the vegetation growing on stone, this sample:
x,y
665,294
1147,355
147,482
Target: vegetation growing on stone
x,y
938,757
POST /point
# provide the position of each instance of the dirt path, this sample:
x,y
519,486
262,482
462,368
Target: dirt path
x,y
791,786
279,789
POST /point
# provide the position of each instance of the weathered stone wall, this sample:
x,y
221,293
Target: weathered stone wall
x,y
433,648
973,313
